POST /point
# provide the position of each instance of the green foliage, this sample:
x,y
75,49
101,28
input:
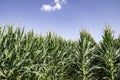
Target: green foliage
x,y
26,56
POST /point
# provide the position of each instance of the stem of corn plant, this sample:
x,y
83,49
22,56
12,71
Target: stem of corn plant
x,y
111,64
112,73
83,68
112,69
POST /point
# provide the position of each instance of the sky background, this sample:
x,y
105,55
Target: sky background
x,y
65,19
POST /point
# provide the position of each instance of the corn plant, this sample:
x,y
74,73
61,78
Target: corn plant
x,y
86,50
27,56
105,58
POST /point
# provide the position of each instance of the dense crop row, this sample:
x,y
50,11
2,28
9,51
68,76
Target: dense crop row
x,y
26,56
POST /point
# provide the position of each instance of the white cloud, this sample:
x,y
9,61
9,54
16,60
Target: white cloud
x,y
46,7
57,6
60,1
56,1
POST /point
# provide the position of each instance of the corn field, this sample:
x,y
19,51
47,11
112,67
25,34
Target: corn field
x,y
27,56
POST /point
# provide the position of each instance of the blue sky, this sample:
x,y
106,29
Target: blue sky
x,y
64,17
